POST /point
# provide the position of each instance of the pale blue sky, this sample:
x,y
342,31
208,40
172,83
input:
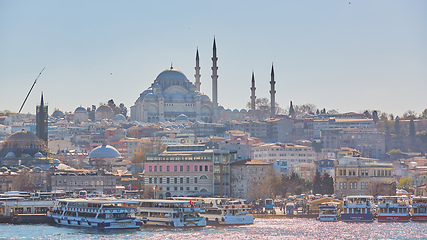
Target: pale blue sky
x,y
336,55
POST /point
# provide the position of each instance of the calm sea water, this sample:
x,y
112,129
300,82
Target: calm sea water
x,y
261,229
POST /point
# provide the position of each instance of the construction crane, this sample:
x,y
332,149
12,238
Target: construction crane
x,y
30,90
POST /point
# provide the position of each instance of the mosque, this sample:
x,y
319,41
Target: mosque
x,y
172,95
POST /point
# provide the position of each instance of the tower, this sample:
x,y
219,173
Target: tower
x,y
253,97
214,84
197,75
41,121
272,93
291,110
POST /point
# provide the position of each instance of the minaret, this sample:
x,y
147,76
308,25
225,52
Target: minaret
x,y
272,93
41,121
253,97
197,75
214,84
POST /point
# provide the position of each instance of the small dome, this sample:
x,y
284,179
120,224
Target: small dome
x,y
37,169
104,151
119,117
243,110
10,155
220,108
205,98
150,98
182,117
104,108
80,110
57,114
38,154
235,110
228,110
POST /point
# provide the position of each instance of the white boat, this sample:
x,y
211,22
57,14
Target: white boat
x,y
328,212
172,213
419,209
357,209
95,213
224,211
393,209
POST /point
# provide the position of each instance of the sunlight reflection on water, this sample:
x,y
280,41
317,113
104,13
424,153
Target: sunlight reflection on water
x,y
261,229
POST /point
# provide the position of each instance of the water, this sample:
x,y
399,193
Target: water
x,y
280,228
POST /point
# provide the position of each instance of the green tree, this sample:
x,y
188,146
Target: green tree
x,y
317,183
328,184
404,183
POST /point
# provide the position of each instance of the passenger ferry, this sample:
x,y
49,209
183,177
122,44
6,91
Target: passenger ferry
x,y
96,213
419,209
393,209
357,209
224,211
172,213
328,212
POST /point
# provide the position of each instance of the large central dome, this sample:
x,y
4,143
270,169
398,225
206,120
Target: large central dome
x,y
171,74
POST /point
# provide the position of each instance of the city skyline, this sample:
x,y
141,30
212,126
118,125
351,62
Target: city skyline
x,y
348,56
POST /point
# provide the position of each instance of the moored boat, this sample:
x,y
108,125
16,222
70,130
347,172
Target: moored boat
x,y
419,209
171,213
224,211
328,212
393,209
95,213
357,209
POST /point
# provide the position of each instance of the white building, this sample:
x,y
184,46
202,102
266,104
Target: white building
x,y
284,155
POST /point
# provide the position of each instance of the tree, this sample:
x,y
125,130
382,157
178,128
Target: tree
x,y
375,116
327,184
367,114
412,129
317,146
113,106
263,107
397,126
304,109
404,183
317,183
123,110
424,113
409,114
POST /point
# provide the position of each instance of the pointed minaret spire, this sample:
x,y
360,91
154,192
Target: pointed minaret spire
x,y
214,84
272,93
253,97
41,101
197,75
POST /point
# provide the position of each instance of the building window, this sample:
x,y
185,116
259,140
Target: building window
x,y
155,168
188,188
175,168
181,188
211,168
206,168
195,168
344,185
150,168
188,180
200,168
155,180
150,180
181,168
160,180
389,172
355,185
168,180
167,188
188,168
195,188
340,185
195,179
362,185
160,168
168,168
175,180
175,188
181,180
203,177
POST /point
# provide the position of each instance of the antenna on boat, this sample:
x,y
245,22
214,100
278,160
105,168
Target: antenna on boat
x,y
30,90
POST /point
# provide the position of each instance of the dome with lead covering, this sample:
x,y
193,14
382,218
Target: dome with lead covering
x,y
104,151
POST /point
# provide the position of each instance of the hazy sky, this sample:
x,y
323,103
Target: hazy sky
x,y
344,55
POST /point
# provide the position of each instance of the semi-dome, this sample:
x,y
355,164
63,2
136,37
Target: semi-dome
x,y
150,98
10,155
80,110
104,151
